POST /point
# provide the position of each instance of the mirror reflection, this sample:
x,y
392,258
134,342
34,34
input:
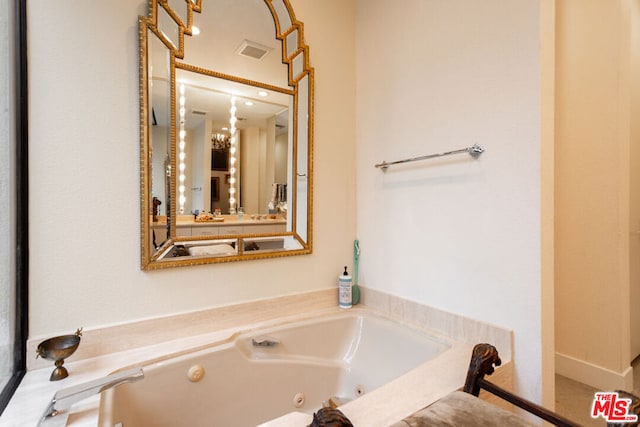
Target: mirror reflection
x,y
259,158
226,113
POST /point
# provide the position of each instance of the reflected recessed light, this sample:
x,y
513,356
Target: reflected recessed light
x,y
263,93
249,103
195,30
225,128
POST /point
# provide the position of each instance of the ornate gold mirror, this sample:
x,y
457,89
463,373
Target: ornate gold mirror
x,y
226,125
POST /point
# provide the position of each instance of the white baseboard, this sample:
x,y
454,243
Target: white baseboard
x,y
593,375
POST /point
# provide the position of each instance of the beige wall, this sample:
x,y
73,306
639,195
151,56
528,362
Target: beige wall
x,y
84,173
593,207
459,234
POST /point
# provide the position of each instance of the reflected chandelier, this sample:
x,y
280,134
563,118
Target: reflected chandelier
x,y
220,141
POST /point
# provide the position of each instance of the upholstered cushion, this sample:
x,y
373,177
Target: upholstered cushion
x,y
459,409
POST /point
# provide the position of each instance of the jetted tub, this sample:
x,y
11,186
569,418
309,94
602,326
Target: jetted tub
x,y
259,375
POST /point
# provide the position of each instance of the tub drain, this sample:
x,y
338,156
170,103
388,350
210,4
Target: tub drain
x,y
359,390
298,400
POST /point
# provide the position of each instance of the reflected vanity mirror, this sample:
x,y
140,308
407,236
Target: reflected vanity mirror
x,y
226,120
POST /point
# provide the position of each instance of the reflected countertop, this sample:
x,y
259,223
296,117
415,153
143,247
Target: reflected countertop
x,y
188,221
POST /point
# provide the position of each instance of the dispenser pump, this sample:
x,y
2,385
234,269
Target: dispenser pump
x,y
345,271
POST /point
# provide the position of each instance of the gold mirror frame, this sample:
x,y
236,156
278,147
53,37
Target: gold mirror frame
x,y
298,71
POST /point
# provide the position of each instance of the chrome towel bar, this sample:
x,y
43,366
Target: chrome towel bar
x,y
474,151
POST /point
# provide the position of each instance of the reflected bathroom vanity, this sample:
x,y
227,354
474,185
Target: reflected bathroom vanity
x,y
231,225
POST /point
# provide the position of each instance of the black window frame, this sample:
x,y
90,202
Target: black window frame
x,y
22,203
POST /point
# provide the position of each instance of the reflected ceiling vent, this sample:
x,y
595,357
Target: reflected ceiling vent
x,y
253,50
199,112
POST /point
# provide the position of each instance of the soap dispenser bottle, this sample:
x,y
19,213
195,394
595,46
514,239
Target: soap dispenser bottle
x,y
344,290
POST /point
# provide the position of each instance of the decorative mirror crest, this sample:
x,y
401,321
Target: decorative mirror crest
x,y
257,201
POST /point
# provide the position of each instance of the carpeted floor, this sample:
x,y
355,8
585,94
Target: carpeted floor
x,y
574,400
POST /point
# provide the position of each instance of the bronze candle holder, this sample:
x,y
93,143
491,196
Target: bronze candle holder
x,y
58,349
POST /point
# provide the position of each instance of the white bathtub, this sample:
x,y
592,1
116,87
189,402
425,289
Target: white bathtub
x,y
343,356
